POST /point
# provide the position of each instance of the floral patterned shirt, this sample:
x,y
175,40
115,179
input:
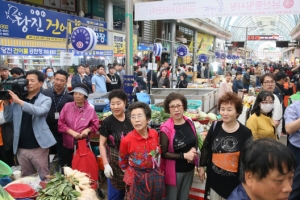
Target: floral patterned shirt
x,y
138,152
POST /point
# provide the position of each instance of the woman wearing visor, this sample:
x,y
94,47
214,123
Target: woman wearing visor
x,y
76,121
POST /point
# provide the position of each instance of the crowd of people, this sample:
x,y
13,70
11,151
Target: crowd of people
x,y
237,161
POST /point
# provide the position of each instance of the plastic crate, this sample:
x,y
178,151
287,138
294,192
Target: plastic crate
x,y
194,104
156,108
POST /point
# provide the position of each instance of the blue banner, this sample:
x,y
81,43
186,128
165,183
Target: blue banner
x,y
20,21
37,51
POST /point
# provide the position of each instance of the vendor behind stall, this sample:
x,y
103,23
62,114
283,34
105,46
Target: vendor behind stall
x,y
237,82
226,85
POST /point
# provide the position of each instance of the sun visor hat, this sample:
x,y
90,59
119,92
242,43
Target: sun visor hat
x,y
80,90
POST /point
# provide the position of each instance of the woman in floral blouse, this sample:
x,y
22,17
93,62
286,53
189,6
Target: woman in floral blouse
x,y
140,157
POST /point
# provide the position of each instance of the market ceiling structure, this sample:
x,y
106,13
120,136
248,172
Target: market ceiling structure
x,y
281,25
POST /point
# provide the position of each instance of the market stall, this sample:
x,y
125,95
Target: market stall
x,y
208,96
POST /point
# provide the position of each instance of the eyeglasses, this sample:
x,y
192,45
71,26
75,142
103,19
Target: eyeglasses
x,y
173,107
269,82
137,117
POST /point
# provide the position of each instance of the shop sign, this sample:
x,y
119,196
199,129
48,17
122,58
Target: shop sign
x,y
143,48
223,56
203,43
217,54
203,58
66,58
32,23
182,50
36,51
229,56
157,49
178,9
263,37
119,43
83,39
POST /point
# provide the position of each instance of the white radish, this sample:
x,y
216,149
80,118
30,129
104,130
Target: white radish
x,y
84,179
84,182
79,175
83,187
77,188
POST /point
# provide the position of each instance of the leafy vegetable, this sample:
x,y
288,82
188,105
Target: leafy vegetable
x,y
4,195
159,117
102,116
58,188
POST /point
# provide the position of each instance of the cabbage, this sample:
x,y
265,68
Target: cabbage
x,y
202,114
212,116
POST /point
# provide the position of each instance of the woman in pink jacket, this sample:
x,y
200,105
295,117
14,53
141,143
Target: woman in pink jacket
x,y
76,121
178,144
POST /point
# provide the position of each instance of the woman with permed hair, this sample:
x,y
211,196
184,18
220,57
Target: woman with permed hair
x,y
179,148
221,149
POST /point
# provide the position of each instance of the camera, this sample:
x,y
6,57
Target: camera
x,y
17,85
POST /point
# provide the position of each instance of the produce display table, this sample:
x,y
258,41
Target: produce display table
x,y
208,96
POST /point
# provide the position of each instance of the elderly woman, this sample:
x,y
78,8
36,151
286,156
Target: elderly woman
x,y
179,145
221,149
260,122
139,156
76,121
113,129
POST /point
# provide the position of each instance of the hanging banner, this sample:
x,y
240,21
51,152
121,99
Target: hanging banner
x,y
204,43
178,9
223,56
38,51
32,23
135,46
119,43
217,54
182,50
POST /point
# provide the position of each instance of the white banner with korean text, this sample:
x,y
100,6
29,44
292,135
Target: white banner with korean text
x,y
178,9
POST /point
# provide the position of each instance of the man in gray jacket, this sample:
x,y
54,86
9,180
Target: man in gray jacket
x,y
32,136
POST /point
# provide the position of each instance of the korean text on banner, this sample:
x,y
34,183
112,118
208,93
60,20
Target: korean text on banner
x,y
178,9
119,43
39,51
66,58
32,23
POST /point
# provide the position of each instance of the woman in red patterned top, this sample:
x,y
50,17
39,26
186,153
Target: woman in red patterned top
x,y
140,157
